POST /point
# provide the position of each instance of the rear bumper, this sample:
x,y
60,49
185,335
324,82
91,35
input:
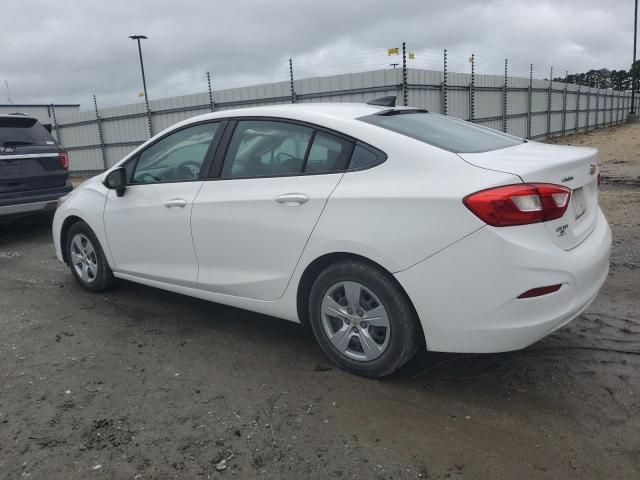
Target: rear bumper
x,y
33,202
466,295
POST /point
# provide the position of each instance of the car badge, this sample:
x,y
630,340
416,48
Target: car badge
x,y
7,149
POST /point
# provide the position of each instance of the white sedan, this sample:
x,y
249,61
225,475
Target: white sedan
x,y
383,228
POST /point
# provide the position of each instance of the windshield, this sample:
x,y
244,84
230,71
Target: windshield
x,y
448,133
19,130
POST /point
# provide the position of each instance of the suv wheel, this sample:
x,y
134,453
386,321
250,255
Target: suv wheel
x,y
362,319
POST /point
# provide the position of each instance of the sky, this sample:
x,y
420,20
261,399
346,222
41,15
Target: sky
x,y
67,50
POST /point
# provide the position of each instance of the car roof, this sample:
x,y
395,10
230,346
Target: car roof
x,y
347,111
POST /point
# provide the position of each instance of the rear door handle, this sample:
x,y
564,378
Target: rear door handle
x,y
292,199
175,202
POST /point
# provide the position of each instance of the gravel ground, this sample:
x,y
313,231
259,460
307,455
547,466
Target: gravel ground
x,y
142,383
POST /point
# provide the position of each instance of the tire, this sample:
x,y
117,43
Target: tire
x,y
92,271
369,288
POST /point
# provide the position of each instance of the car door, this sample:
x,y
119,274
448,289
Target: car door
x,y
148,228
252,223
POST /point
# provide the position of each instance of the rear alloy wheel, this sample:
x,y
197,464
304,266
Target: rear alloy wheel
x,y
86,259
362,319
355,321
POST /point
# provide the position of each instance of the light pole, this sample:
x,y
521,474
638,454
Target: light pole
x,y
144,81
634,76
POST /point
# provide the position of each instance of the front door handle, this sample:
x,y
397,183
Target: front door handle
x,y
175,202
292,199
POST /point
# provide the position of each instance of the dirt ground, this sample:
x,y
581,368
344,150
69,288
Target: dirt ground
x,y
142,384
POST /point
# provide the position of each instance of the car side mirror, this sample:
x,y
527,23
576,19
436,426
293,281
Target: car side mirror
x,y
116,180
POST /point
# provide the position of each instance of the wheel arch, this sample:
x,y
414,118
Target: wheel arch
x,y
316,266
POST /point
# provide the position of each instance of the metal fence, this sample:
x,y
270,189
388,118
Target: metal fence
x,y
525,107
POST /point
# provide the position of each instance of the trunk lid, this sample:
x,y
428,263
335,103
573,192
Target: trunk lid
x,y
573,167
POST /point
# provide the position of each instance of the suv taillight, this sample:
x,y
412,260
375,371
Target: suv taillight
x,y
519,204
64,159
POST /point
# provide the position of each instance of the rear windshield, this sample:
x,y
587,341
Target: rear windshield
x,y
448,133
18,130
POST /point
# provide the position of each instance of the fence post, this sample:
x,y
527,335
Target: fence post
x,y
549,93
211,104
444,84
472,90
611,108
529,101
505,93
597,107
577,109
100,137
405,93
586,127
618,107
564,104
293,92
55,124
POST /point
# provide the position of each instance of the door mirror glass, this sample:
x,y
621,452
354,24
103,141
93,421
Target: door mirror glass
x,y
116,180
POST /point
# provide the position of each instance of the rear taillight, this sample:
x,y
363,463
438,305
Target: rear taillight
x,y
64,159
599,179
519,204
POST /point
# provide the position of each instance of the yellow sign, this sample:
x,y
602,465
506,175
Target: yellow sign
x,y
141,94
393,51
412,55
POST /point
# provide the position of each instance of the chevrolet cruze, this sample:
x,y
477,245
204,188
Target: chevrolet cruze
x,y
383,228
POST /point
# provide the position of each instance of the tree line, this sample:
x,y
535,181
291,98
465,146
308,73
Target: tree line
x,y
604,78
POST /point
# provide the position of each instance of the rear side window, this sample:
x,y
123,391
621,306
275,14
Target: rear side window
x,y
365,156
448,133
18,130
265,148
328,154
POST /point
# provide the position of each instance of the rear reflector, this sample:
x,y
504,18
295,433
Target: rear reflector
x,y
538,292
64,159
519,204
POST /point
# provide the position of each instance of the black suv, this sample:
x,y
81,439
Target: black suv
x,y
33,168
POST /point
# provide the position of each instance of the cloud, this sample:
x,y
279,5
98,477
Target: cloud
x,y
67,52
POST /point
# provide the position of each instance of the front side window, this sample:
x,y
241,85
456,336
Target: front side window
x,y
450,134
177,157
265,148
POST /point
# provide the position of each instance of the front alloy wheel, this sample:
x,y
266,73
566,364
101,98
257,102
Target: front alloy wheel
x,y
83,258
86,258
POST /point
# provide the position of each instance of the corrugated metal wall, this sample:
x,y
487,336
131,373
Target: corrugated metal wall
x,y
527,110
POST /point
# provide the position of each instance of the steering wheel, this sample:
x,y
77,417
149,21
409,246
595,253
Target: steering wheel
x,y
187,169
146,176
282,157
